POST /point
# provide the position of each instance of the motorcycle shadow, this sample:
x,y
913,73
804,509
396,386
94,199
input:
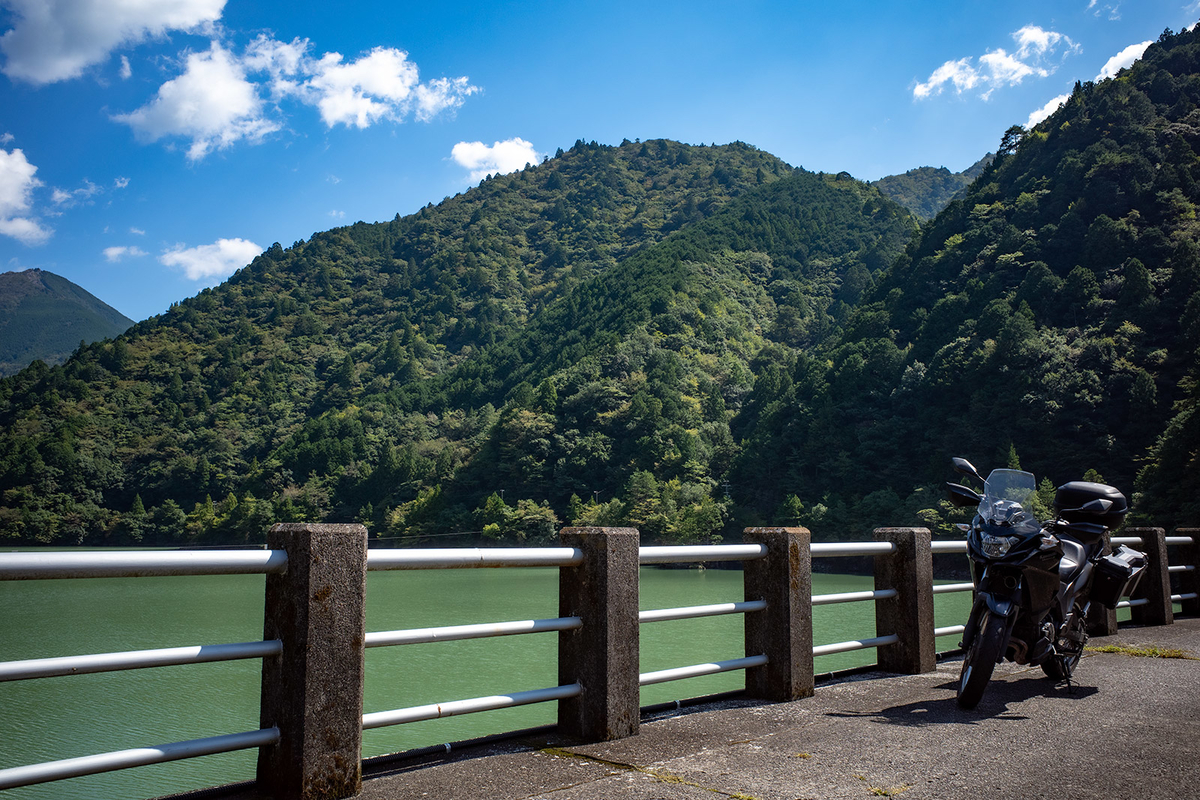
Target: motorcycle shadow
x,y
995,704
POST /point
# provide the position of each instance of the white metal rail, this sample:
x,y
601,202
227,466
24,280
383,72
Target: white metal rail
x,y
139,563
857,644
701,553
836,549
468,557
139,757
697,670
382,719
455,633
135,659
696,612
852,597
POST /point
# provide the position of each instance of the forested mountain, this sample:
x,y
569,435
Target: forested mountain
x,y
683,339
555,332
927,190
45,316
1050,317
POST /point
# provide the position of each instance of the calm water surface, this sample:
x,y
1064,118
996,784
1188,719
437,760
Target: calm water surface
x,y
53,718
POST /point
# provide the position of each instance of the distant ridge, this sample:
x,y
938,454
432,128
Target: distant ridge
x,y
927,190
45,316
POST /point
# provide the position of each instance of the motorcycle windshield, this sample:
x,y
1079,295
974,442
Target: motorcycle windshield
x,y
1006,494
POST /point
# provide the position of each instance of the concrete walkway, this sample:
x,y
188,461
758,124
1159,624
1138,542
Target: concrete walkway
x,y
1130,728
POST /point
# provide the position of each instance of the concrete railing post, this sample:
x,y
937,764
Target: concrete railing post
x,y
313,691
1189,582
783,631
909,615
1155,585
602,655
1101,621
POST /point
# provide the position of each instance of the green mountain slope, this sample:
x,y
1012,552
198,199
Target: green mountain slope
x,y
389,372
45,316
684,339
927,190
1048,317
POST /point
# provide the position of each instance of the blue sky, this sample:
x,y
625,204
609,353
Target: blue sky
x,y
149,148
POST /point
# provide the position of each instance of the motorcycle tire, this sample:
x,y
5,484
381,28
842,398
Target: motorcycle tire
x,y
981,658
1061,666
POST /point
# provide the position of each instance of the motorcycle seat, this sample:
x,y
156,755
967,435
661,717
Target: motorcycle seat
x,y
1073,558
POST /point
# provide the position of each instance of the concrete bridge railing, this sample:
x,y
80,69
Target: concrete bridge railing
x,y
311,719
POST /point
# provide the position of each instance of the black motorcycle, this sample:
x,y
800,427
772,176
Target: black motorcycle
x,y
1035,582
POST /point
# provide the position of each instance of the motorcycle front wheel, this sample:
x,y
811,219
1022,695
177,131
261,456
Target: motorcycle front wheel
x,y
980,660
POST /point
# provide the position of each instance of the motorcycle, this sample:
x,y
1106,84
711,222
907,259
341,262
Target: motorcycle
x,y
1035,582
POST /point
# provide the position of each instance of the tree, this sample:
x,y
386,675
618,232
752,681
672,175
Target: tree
x,y
169,521
1010,141
791,511
135,523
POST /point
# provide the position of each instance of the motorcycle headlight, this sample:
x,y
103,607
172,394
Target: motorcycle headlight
x,y
997,546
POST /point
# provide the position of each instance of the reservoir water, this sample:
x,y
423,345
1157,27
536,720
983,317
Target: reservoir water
x,y
54,718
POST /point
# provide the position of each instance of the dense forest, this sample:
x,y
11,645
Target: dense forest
x,y
683,339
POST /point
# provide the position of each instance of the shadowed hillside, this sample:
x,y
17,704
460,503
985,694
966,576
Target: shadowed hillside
x,y
44,316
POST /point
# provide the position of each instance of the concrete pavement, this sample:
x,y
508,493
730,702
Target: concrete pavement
x,y
1129,728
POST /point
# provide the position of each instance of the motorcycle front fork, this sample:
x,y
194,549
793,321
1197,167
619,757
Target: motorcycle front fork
x,y
977,610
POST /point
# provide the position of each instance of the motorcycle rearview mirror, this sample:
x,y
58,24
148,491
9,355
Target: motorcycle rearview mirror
x,y
961,496
964,467
1097,506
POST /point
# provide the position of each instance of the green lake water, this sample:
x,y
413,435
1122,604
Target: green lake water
x,y
53,718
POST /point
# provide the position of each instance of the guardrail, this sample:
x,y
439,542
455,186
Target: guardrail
x,y
314,631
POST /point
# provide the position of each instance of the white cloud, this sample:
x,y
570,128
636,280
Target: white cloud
x,y
1123,59
498,158
219,100
211,103
1035,42
1046,110
115,254
17,183
24,230
74,197
1003,69
1113,9
337,214
381,85
6,137
360,93
283,62
53,40
126,70
440,94
121,182
137,231
1036,50
218,260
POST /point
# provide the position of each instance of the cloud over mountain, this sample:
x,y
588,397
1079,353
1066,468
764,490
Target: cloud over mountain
x,y
1035,56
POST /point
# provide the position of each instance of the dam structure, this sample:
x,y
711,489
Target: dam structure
x,y
309,741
